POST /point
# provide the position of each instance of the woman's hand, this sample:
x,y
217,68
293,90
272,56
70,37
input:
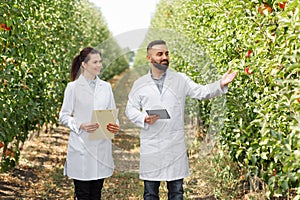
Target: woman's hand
x,y
114,128
89,127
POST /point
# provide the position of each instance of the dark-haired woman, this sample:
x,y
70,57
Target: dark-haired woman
x,y
88,162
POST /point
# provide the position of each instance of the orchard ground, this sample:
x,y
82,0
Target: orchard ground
x,y
39,174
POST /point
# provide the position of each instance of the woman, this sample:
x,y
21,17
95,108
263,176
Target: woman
x,y
88,161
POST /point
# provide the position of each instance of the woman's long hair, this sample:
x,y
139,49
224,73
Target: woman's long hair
x,y
83,56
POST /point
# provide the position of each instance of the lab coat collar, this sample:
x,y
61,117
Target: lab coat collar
x,y
167,82
81,81
168,71
163,75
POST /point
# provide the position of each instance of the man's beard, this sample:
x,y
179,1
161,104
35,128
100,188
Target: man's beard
x,y
161,66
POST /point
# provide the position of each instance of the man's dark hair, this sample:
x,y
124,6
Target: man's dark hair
x,y
155,42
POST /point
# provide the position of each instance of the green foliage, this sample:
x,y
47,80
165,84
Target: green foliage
x,y
38,42
261,118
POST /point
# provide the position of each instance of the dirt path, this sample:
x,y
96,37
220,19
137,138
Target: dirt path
x,y
39,174
126,143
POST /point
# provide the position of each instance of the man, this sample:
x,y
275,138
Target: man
x,y
163,154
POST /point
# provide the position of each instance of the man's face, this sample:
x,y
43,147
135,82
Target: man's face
x,y
158,55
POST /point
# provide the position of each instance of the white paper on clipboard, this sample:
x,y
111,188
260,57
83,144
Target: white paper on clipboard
x,y
103,117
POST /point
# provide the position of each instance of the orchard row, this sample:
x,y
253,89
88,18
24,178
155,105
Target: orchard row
x,y
38,42
258,124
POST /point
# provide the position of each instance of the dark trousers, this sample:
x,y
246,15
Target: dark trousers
x,y
175,190
88,190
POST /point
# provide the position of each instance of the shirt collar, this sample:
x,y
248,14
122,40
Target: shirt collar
x,y
161,77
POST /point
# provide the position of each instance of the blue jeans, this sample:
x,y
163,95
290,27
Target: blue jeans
x,y
175,190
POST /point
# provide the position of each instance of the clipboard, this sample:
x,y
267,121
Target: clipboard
x,y
162,113
103,117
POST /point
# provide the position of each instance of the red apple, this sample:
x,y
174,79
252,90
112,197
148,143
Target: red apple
x,y
264,8
2,26
248,54
7,152
282,5
247,70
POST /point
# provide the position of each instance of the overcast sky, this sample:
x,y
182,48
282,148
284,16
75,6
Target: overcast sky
x,y
128,20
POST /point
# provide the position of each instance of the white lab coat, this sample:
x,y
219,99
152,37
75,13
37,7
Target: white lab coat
x,y
163,153
86,159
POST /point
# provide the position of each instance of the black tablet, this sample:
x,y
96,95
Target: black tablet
x,y
162,113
